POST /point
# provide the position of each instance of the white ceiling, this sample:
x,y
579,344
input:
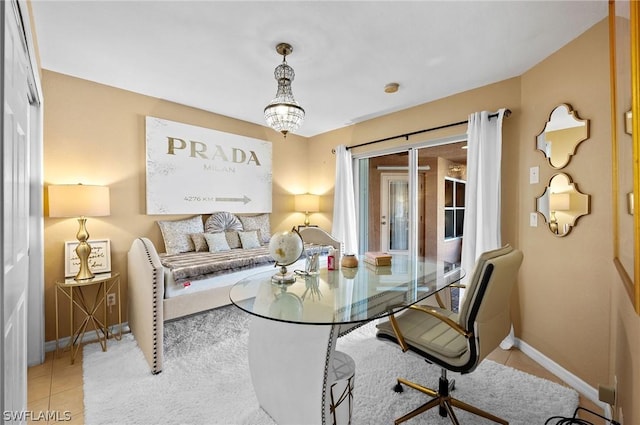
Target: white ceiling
x,y
220,55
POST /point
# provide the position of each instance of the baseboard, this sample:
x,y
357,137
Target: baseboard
x,y
575,382
89,336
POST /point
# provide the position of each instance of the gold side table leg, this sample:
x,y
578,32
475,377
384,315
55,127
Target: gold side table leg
x,y
88,304
119,337
71,321
57,321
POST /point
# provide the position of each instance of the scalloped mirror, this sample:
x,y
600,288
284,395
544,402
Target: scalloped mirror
x,y
561,135
562,204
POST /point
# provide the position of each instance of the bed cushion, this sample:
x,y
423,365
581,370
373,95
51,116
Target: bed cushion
x,y
257,222
176,234
193,266
200,265
217,242
249,239
222,221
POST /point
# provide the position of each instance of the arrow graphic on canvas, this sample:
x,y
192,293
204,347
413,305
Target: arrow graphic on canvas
x,y
244,199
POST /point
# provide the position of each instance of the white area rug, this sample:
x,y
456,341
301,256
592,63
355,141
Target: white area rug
x,y
206,381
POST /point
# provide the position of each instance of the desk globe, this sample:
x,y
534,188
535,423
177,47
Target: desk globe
x,y
285,248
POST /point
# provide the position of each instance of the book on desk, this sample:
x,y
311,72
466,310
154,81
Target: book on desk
x,y
377,258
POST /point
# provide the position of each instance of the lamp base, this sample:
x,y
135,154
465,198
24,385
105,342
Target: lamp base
x,y
83,251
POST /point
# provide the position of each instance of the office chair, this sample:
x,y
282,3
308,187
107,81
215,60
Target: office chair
x,y
458,342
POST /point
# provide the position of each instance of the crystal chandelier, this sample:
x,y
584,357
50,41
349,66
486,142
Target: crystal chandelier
x,y
283,113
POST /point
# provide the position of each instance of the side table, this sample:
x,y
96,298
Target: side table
x,y
79,297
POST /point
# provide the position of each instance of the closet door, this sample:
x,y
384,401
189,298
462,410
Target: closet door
x,y
15,213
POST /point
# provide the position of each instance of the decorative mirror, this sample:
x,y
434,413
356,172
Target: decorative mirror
x,y
561,135
562,204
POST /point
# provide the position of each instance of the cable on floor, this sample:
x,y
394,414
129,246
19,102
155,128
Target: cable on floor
x,y
575,420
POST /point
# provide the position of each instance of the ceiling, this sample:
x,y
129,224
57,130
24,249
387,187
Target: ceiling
x,y
219,56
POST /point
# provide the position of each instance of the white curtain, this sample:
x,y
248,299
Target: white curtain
x,y
344,205
482,198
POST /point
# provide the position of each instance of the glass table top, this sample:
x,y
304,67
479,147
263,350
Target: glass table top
x,y
346,295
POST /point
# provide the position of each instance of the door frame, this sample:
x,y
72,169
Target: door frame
x,y
385,179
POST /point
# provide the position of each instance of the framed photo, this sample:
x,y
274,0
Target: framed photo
x,y
99,259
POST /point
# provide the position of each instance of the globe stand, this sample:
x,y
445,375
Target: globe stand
x,y
284,276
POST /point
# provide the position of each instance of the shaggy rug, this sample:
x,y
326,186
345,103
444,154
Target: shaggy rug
x,y
206,381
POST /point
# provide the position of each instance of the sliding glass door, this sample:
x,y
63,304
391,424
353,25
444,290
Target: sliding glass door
x,y
401,199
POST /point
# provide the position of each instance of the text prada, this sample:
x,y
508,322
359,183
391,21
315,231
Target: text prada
x,y
197,149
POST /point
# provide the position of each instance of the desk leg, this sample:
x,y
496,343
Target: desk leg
x,y
294,368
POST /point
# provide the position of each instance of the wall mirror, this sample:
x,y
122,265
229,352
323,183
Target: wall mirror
x,y
562,204
624,22
561,135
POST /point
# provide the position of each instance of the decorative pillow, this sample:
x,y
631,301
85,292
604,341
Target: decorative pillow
x,y
249,239
217,242
176,234
233,239
222,221
257,222
199,242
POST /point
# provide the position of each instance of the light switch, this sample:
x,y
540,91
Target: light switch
x,y
534,175
533,219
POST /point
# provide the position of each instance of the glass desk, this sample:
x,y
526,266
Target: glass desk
x,y
297,374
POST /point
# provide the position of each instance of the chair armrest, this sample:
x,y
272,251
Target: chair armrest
x,y
439,300
396,330
452,324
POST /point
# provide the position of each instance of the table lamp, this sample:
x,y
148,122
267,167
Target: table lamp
x,y
307,203
558,202
79,200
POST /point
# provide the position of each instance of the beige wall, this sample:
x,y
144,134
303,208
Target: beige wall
x,y
565,282
95,134
569,303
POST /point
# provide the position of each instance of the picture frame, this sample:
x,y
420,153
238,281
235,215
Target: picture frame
x,y
99,259
624,55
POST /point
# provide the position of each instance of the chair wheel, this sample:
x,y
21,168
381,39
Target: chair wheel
x,y
398,388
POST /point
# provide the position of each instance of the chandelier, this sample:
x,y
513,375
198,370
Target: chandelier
x,y
283,113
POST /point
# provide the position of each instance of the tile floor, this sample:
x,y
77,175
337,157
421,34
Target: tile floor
x,y
56,385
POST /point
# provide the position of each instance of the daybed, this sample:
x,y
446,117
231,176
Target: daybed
x,y
187,279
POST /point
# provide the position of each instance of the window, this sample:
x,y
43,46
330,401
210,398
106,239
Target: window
x,y
454,192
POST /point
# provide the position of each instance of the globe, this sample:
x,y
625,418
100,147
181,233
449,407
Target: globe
x,y
286,247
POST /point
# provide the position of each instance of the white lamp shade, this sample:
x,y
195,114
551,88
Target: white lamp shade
x,y
307,203
78,200
560,202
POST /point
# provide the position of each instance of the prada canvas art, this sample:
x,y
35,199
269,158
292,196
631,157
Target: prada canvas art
x,y
195,170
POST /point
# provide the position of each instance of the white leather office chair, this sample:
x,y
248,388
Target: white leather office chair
x,y
459,342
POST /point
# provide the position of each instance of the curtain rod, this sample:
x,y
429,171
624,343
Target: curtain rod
x,y
507,113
